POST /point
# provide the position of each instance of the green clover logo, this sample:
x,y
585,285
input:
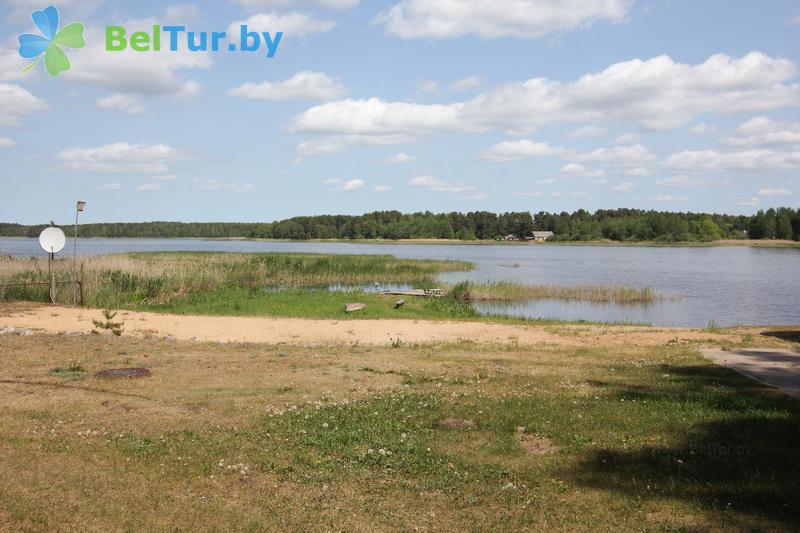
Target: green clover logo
x,y
50,42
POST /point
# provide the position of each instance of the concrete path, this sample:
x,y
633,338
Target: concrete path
x,y
775,367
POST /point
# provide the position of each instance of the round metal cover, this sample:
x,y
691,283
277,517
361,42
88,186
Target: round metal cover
x,y
123,373
52,240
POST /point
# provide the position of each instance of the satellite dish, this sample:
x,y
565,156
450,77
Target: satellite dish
x,y
52,240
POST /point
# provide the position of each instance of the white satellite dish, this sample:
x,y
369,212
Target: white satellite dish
x,y
52,240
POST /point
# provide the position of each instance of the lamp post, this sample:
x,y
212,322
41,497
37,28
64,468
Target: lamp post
x,y
78,209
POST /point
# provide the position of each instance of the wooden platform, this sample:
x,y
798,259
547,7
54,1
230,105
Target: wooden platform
x,y
423,293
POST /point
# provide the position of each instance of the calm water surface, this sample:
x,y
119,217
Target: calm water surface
x,y
729,285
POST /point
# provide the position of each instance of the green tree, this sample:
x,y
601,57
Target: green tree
x,y
784,230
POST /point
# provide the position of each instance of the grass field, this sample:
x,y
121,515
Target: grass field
x,y
279,285
359,438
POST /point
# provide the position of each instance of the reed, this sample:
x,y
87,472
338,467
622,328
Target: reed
x,y
503,291
159,278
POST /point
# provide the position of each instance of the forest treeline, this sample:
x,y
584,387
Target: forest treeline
x,y
616,225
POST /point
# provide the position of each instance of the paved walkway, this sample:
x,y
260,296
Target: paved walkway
x,y
778,368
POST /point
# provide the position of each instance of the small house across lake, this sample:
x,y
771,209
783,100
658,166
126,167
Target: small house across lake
x,y
540,236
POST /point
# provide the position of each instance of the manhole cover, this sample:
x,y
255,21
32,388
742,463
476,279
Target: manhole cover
x,y
123,373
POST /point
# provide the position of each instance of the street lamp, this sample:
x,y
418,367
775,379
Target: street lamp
x,y
78,209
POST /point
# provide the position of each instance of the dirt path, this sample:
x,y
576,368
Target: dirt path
x,y
779,368
315,332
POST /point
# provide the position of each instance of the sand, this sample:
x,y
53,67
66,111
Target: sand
x,y
67,320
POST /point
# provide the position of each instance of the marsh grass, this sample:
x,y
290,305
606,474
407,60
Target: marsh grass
x,y
506,292
159,278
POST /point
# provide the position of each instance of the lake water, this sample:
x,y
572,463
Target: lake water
x,y
727,285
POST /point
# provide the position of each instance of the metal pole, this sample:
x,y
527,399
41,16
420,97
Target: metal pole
x,y
75,261
51,286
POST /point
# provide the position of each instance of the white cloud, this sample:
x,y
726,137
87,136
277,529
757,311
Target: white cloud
x,y
150,187
305,85
578,170
120,157
763,131
635,155
319,147
11,65
182,12
123,103
399,159
437,19
428,87
774,192
76,9
382,188
747,201
110,187
681,180
165,177
744,160
570,194
465,84
627,138
5,142
657,93
639,172
435,184
130,72
293,23
15,103
527,194
703,129
223,186
587,132
624,186
338,143
794,21
353,185
522,149
667,198
333,4
350,122
344,186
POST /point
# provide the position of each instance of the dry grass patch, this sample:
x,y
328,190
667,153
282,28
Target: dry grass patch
x,y
259,437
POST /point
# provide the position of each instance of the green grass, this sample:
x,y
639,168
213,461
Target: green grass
x,y
664,431
308,303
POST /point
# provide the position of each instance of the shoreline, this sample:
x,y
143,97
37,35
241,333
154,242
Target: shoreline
x,y
753,243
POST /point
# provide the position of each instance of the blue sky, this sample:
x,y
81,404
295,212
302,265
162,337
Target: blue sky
x,y
407,104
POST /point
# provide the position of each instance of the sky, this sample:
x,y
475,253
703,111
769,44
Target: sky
x,y
413,105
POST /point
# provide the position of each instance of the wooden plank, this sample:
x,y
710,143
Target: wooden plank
x,y
424,293
350,308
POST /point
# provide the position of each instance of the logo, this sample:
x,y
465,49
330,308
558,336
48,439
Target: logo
x,y
48,46
117,40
